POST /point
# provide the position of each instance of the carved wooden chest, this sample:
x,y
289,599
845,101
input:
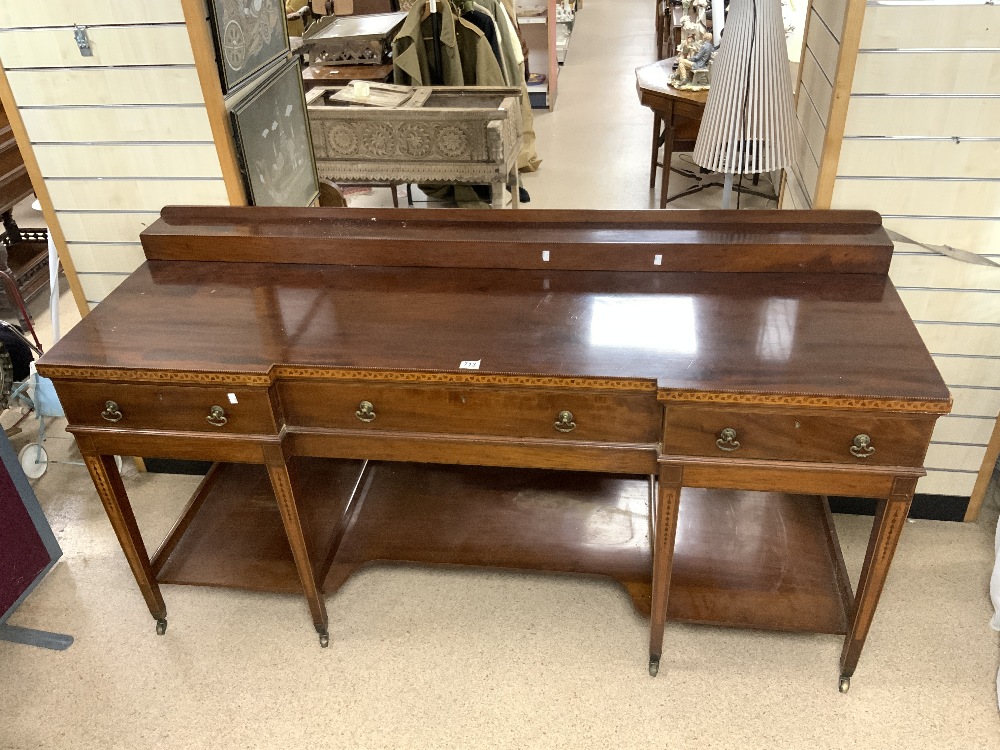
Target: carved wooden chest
x,y
448,135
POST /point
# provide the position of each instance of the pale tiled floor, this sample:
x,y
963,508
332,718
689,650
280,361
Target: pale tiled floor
x,y
470,659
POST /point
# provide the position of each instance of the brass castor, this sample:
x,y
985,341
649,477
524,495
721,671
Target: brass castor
x,y
161,627
845,684
654,667
324,640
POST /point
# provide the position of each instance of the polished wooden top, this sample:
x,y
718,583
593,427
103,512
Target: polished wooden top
x,y
653,84
835,334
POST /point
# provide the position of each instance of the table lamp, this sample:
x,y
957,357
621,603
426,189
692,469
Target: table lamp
x,y
748,122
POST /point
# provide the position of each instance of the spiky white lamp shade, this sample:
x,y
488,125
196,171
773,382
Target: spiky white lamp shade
x,y
748,121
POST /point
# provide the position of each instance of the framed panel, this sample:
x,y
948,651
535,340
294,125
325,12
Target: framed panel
x,y
275,145
249,34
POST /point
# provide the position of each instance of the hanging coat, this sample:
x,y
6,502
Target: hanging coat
x,y
479,64
409,53
466,57
510,45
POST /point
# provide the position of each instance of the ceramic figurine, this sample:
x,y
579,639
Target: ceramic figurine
x,y
694,62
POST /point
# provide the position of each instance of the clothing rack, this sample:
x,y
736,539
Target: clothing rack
x,y
437,76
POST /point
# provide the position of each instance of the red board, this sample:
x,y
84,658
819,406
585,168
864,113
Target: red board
x,y
23,555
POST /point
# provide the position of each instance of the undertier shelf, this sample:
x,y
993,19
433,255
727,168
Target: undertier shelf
x,y
745,559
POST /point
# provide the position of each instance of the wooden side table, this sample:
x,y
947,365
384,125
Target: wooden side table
x,y
676,117
341,75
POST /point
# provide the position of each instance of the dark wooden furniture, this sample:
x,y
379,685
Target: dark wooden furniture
x,y
637,372
15,184
676,118
341,75
24,259
667,29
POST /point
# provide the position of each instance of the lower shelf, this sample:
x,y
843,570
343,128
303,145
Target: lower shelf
x,y
744,559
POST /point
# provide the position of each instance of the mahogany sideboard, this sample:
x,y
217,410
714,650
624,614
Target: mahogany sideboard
x,y
549,390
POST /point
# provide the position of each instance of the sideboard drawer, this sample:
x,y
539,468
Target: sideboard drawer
x,y
174,408
784,435
570,414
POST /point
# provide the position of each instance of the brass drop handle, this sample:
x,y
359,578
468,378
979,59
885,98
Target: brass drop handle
x,y
111,412
564,421
217,416
727,440
862,447
365,412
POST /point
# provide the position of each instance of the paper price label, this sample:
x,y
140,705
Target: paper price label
x,y
469,364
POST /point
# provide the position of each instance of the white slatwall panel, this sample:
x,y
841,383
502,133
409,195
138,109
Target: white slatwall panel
x,y
794,195
134,195
99,226
819,67
952,304
920,158
89,12
117,124
112,45
957,483
945,72
963,430
927,86
975,402
922,197
128,160
955,457
971,371
823,43
97,286
906,26
117,135
166,85
979,235
967,117
112,259
806,163
949,338
912,270
811,123
832,12
817,85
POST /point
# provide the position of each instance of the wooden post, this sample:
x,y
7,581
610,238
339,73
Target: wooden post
x,y
203,47
850,40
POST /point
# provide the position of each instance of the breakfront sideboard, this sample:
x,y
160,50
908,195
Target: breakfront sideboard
x,y
546,390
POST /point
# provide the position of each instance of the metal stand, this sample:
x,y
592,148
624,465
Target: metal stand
x,y
727,186
32,637
727,191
